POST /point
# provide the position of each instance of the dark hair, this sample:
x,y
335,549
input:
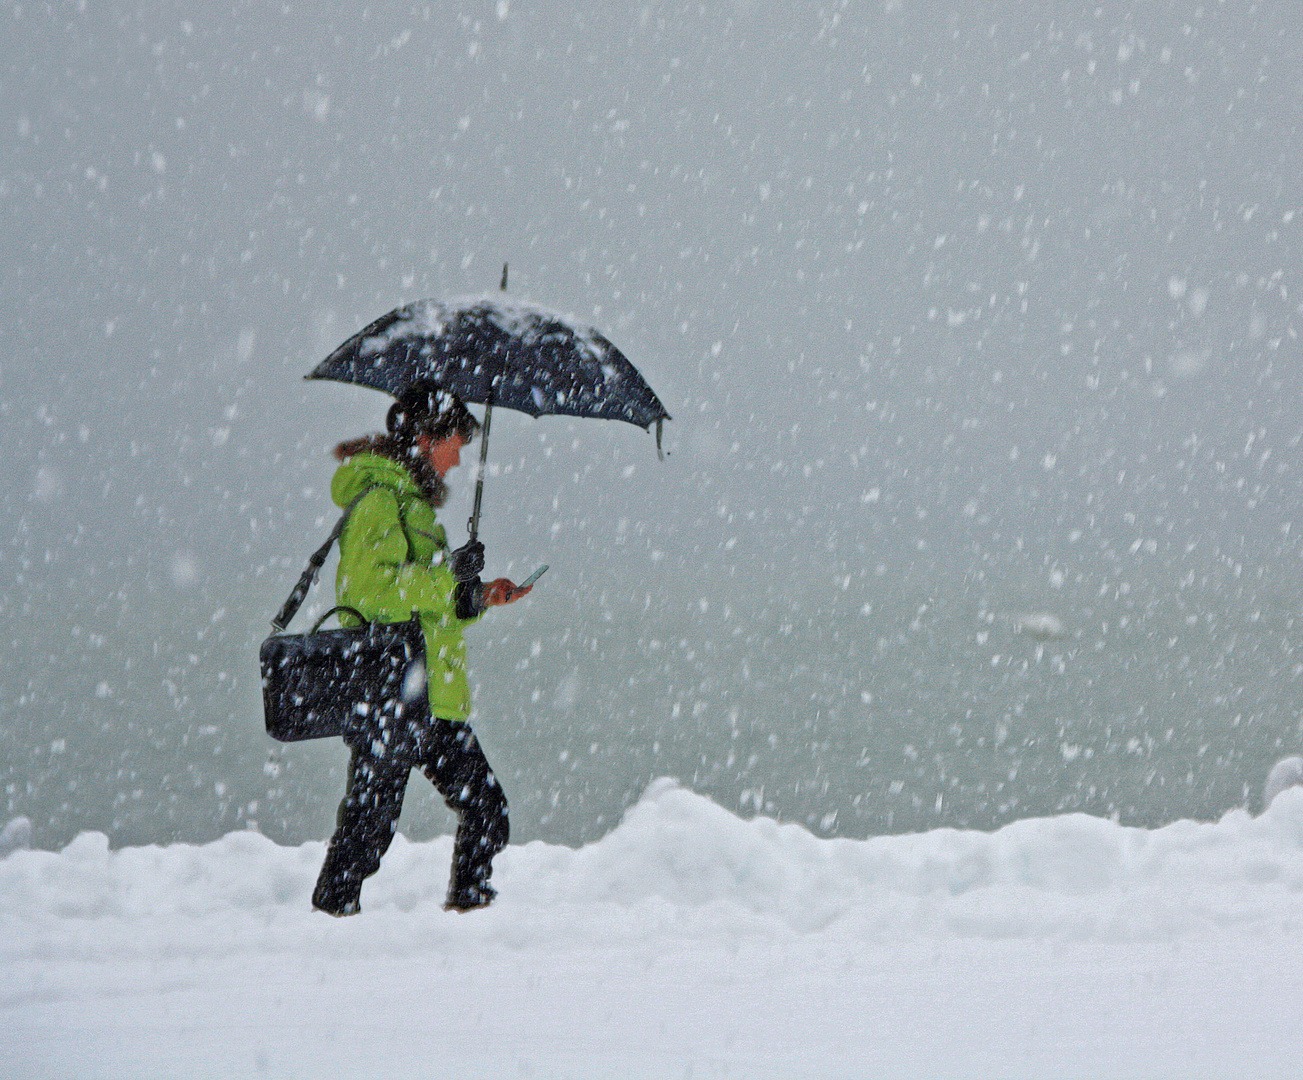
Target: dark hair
x,y
425,409
422,410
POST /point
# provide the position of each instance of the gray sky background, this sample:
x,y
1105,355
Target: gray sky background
x,y
961,310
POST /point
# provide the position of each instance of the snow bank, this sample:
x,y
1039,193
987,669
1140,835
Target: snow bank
x,y
1066,875
1286,773
686,942
16,834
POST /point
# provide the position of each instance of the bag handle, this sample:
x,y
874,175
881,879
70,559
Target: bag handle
x,y
340,607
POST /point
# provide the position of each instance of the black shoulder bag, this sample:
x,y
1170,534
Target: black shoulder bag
x,y
339,682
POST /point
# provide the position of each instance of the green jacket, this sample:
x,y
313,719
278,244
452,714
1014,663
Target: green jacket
x,y
392,561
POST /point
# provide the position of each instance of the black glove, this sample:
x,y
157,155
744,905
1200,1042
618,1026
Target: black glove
x,y
467,561
468,599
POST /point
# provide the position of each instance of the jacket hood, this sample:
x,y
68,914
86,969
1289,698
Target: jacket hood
x,y
364,471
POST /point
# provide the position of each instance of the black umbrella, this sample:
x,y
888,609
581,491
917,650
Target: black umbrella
x,y
493,352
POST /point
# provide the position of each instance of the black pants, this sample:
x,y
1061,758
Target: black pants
x,y
450,756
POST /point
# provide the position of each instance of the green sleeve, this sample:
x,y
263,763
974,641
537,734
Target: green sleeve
x,y
375,575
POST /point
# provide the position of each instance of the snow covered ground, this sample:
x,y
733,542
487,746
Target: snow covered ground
x,y
687,943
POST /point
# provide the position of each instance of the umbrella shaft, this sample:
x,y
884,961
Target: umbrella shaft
x,y
474,524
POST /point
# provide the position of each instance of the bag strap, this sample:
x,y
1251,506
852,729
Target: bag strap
x,y
309,576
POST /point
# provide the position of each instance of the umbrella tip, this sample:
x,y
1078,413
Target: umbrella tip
x,y
503,284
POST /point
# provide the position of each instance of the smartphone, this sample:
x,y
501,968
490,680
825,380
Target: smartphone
x,y
529,581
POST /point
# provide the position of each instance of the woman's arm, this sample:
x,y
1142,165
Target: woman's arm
x,y
375,572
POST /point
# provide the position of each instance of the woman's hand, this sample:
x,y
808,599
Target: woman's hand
x,y
502,591
467,561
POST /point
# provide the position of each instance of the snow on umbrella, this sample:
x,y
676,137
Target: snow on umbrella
x,y
489,351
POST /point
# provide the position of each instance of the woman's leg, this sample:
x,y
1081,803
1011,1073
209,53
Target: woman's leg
x,y
365,827
456,765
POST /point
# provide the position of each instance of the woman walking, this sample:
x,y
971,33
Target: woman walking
x,y
394,560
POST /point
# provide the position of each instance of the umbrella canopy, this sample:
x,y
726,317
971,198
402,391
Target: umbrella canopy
x,y
492,352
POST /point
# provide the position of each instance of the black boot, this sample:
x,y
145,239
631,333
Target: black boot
x,y
469,888
339,888
469,897
337,898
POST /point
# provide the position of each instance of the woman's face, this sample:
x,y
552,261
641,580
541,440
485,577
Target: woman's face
x,y
442,454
